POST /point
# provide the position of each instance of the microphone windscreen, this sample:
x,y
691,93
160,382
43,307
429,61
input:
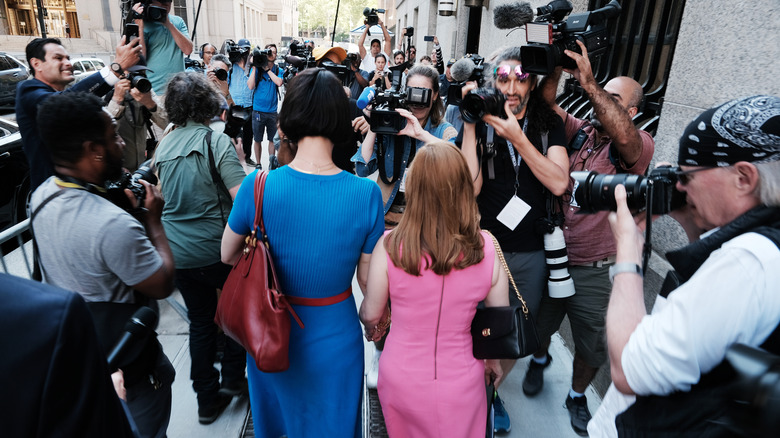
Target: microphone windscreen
x,y
294,61
462,69
365,97
512,15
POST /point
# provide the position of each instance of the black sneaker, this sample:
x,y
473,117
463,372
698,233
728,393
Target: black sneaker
x,y
579,414
235,388
250,162
534,377
210,413
273,162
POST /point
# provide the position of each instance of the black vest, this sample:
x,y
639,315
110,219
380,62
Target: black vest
x,y
702,411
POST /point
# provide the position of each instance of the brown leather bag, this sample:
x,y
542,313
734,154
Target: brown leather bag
x,y
252,310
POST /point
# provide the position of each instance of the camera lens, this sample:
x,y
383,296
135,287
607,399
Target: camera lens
x,y
221,74
482,101
596,192
141,84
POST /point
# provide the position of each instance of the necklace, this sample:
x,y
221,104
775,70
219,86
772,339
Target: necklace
x,y
317,169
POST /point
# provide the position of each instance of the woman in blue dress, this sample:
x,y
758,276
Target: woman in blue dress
x,y
322,223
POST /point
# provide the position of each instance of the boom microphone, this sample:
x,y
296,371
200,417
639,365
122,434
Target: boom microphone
x,y
513,15
462,69
136,330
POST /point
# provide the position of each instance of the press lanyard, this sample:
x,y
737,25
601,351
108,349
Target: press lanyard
x,y
515,156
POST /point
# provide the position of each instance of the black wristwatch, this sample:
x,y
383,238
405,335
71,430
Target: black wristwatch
x,y
116,68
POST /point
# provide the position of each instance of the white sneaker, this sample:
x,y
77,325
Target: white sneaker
x,y
372,376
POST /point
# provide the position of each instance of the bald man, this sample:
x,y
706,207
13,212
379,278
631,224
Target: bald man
x,y
606,143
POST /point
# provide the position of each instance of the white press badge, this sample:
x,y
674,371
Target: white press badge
x,y
402,186
513,213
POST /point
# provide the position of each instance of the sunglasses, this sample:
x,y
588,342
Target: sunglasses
x,y
502,72
685,176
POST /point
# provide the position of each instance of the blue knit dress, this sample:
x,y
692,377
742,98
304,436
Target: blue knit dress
x,y
317,226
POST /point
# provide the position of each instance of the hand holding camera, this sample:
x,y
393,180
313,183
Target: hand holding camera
x,y
584,72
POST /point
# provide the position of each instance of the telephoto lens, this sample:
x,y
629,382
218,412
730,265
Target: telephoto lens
x,y
559,283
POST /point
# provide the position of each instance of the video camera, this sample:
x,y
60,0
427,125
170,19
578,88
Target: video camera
x,y
371,16
342,71
193,64
151,13
384,118
233,51
298,58
260,57
548,36
655,193
467,69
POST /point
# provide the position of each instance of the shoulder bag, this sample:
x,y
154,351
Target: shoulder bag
x,y
504,332
252,310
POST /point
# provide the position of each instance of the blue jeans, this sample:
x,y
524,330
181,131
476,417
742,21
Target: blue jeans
x,y
199,287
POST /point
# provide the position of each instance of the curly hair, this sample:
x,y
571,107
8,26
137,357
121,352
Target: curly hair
x,y
191,96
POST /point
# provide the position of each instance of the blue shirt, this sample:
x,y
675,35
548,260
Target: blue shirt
x,y
239,90
265,99
163,57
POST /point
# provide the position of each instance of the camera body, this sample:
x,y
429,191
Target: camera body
x,y
481,101
409,32
151,13
193,64
384,118
116,189
138,80
234,51
548,36
656,192
455,92
298,59
341,71
372,17
260,57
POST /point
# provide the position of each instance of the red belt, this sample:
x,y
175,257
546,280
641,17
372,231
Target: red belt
x,y
327,301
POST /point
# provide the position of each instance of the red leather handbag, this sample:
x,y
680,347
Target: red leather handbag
x,y
252,310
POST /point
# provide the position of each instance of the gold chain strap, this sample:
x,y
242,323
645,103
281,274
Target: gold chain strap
x,y
509,274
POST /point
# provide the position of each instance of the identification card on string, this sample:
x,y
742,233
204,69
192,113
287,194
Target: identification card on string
x,y
513,213
402,186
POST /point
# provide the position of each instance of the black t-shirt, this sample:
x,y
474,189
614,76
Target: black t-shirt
x,y
497,192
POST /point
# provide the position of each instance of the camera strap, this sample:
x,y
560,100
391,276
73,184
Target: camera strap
x,y
489,144
215,176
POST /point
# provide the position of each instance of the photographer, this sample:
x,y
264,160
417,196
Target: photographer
x,y
357,83
200,175
265,81
514,179
116,261
609,143
380,76
724,287
376,46
242,95
134,111
165,43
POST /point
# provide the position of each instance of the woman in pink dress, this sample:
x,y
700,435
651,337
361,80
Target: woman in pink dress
x,y
435,267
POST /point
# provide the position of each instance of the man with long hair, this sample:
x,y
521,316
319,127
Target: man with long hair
x,y
520,160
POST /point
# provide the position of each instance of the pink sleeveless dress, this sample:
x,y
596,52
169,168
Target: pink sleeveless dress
x,y
430,384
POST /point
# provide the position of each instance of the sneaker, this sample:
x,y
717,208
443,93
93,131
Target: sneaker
x,y
234,388
273,162
250,162
210,413
501,422
372,376
579,414
534,377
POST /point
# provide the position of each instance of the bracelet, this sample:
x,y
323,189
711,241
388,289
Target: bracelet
x,y
624,268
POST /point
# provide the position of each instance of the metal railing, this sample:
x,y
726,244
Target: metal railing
x,y
24,251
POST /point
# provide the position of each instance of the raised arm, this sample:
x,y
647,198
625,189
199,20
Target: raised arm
x,y
549,91
181,39
362,41
388,43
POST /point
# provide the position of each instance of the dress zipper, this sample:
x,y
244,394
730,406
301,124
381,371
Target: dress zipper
x,y
436,341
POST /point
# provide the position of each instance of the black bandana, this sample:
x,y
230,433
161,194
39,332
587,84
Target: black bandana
x,y
746,129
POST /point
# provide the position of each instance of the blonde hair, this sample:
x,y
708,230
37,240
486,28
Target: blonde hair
x,y
441,222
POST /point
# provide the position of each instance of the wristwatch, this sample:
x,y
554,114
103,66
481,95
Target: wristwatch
x,y
620,268
116,68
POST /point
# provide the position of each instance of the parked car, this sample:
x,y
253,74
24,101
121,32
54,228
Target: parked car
x,y
14,180
83,67
12,71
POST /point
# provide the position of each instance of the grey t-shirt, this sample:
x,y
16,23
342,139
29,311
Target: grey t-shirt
x,y
90,246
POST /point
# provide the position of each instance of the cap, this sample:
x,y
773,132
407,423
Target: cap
x,y
746,129
243,42
451,61
320,52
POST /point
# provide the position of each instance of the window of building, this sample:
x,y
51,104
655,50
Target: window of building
x,y
271,17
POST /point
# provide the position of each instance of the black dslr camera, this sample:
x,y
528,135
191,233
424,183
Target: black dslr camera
x,y
151,13
655,193
139,81
371,16
482,101
455,92
548,36
116,189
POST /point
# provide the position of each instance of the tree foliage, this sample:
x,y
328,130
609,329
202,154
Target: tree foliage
x,y
318,15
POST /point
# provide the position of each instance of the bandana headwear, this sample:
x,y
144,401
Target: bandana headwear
x,y
746,129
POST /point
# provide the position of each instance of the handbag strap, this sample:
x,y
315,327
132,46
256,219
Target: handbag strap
x,y
508,273
259,191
